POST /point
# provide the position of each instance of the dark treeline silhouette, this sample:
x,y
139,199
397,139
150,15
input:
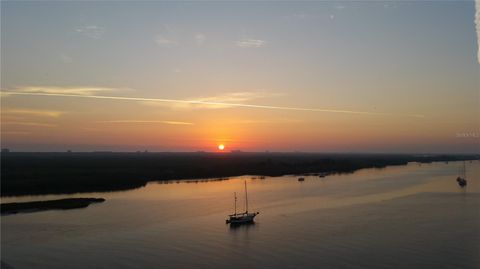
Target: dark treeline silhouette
x,y
55,173
60,204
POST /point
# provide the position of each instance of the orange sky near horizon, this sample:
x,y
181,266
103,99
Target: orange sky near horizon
x,y
109,125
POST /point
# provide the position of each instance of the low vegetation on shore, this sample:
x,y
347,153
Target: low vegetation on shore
x,y
60,204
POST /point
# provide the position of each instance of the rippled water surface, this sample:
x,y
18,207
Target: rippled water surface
x,y
412,216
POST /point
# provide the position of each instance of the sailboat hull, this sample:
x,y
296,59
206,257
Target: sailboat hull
x,y
461,182
241,218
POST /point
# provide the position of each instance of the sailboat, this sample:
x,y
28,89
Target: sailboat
x,y
462,181
244,217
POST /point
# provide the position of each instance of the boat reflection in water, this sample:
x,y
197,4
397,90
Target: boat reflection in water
x,y
248,226
244,217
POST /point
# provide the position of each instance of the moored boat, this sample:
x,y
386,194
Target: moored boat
x,y
462,180
243,217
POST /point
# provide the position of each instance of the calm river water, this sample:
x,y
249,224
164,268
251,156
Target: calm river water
x,y
413,216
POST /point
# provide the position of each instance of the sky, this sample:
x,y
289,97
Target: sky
x,y
321,76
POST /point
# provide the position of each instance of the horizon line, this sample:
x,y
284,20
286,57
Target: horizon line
x,y
239,152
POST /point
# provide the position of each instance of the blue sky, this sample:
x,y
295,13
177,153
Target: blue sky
x,y
390,57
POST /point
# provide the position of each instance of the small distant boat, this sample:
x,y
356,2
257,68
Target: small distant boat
x,y
462,180
244,217
301,179
324,174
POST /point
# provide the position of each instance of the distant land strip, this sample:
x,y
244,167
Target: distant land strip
x,y
25,173
60,204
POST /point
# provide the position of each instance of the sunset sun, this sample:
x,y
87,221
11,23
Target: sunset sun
x,y
221,147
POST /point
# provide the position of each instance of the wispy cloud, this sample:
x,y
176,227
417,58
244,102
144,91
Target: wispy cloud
x,y
301,16
309,17
11,118
200,39
181,101
91,31
269,121
250,43
164,41
63,90
235,97
66,58
219,101
29,123
15,132
148,121
34,112
4,94
339,7
166,37
390,5
477,26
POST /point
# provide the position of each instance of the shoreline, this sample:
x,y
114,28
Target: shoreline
x,y
38,206
68,173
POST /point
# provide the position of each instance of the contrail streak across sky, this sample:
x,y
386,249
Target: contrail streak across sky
x,y
162,100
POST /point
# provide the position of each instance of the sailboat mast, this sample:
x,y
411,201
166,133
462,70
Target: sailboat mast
x,y
246,198
464,170
235,195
